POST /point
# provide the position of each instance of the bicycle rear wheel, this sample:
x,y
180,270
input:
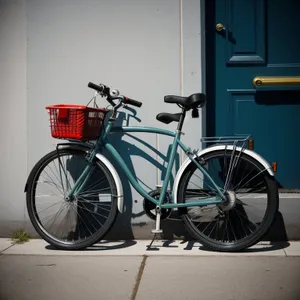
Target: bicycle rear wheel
x,y
252,195
81,222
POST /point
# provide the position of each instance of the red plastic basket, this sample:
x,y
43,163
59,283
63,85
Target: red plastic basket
x,y
69,121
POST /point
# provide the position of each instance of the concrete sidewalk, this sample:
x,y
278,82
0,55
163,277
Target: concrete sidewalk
x,y
148,248
129,270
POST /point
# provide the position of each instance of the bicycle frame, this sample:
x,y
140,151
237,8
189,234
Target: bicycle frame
x,y
104,142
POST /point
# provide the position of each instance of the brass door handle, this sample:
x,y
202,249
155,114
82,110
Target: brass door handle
x,y
220,27
275,80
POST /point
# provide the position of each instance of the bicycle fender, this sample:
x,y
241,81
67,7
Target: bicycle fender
x,y
116,178
185,164
107,163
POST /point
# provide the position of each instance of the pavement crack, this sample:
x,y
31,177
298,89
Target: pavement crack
x,y
139,278
8,247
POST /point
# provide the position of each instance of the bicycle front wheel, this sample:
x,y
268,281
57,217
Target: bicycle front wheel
x,y
70,224
252,200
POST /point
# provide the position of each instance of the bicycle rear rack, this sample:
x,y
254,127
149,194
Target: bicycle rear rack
x,y
235,141
240,141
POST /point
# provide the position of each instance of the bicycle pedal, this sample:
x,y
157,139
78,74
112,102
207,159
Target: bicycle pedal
x,y
156,231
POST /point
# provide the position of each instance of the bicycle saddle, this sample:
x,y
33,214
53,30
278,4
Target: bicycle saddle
x,y
168,118
191,102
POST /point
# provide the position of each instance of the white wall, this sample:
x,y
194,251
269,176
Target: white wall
x,y
13,114
146,49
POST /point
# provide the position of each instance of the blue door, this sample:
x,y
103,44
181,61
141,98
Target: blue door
x,y
253,78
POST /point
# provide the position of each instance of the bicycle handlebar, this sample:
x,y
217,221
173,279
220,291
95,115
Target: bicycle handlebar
x,y
113,94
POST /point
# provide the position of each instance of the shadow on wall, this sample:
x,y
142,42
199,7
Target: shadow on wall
x,y
122,229
277,97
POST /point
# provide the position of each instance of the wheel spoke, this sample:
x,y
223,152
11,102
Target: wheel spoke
x,y
81,218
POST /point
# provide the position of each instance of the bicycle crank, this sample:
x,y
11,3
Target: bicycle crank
x,y
150,207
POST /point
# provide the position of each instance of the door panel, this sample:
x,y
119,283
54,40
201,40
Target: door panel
x,y
245,32
260,39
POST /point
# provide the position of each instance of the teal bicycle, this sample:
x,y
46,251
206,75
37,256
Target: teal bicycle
x,y
74,193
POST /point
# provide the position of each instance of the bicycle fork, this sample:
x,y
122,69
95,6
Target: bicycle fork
x,y
80,182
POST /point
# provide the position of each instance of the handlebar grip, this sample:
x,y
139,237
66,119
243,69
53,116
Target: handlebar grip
x,y
133,102
95,87
100,88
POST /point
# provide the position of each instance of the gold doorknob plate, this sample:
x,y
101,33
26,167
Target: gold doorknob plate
x,y
220,27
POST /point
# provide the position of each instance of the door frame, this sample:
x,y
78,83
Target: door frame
x,y
210,74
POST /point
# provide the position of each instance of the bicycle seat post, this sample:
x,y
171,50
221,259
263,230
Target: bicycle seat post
x,y
181,120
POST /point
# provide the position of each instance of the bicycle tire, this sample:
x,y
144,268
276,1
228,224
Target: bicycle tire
x,y
246,242
32,210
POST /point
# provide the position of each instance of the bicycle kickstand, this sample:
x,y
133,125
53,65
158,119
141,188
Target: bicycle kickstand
x,y
157,222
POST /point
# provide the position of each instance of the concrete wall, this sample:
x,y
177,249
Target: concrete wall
x,y
50,50
13,114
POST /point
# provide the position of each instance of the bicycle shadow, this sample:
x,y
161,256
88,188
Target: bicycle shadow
x,y
128,151
104,245
259,247
84,220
